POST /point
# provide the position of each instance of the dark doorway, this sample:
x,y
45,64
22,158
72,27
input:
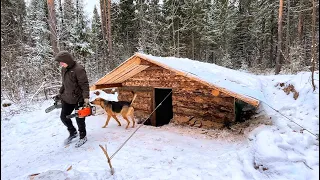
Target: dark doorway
x,y
164,112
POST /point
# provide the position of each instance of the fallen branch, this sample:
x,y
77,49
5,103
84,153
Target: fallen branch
x,y
43,83
69,168
109,160
32,176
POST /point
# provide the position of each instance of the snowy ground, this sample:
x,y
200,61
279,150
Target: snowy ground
x,y
263,148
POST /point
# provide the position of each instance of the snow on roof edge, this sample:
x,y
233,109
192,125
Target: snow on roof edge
x,y
235,82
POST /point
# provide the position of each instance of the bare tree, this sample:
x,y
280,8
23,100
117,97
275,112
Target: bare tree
x,y
279,47
109,28
313,42
52,25
288,34
103,18
300,27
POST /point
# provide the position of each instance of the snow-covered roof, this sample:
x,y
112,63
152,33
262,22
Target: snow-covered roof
x,y
238,84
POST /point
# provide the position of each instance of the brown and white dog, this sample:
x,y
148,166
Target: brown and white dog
x,y
114,108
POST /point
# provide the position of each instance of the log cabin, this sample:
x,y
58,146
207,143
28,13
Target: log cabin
x,y
198,94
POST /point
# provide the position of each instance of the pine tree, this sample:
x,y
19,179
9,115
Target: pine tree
x,y
193,23
155,19
80,32
67,30
38,28
142,24
127,28
96,44
242,42
13,38
117,40
173,14
221,22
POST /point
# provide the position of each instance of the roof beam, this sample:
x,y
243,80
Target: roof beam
x,y
123,67
120,74
134,71
102,86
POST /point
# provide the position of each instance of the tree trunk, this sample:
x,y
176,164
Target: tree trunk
x,y
192,39
271,56
52,25
288,35
61,45
313,43
300,26
109,29
178,40
103,19
173,34
262,43
279,47
127,44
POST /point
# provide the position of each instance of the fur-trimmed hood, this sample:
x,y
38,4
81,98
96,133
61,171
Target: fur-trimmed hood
x,y
66,57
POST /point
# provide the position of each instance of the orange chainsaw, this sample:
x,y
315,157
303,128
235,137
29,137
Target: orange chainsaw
x,y
83,112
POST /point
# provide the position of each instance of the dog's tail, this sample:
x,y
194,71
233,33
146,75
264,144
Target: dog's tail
x,y
134,97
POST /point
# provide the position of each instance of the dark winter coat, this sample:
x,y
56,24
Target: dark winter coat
x,y
75,85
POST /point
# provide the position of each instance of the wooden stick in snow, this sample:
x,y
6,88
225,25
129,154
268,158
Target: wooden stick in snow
x,y
109,160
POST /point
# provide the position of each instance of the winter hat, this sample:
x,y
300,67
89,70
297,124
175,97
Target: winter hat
x,y
66,57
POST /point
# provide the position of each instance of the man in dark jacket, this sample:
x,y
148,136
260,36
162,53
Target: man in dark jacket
x,y
74,93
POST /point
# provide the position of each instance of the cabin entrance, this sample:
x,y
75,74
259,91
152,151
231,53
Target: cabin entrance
x,y
164,113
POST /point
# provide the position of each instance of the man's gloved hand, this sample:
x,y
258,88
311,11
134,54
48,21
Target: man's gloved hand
x,y
57,97
86,102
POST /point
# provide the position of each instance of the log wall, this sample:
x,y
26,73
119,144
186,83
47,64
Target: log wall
x,y
193,103
143,104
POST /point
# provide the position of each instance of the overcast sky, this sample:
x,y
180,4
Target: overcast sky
x,y
89,5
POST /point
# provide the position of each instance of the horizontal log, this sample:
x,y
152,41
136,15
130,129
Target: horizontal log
x,y
182,118
155,78
180,82
144,62
141,114
199,113
226,102
198,122
193,118
146,109
150,71
185,86
135,88
102,86
139,94
153,84
202,106
164,83
199,90
146,76
139,99
142,106
151,67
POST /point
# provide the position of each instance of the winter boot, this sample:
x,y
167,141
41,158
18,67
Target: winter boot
x,y
69,139
81,142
